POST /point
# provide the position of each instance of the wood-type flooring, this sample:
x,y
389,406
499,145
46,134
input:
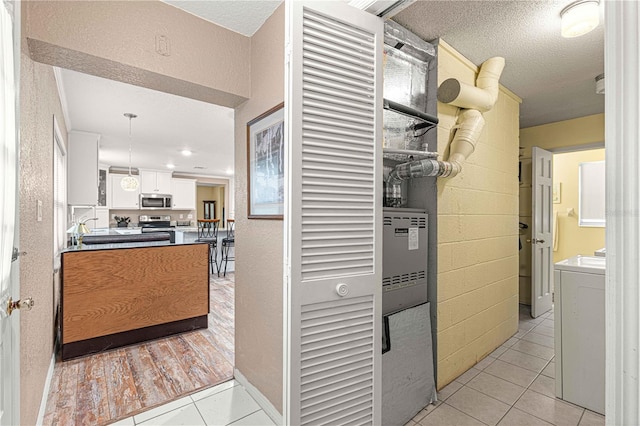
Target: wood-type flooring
x,y
102,388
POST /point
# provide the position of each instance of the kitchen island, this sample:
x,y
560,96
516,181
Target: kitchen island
x,y
122,293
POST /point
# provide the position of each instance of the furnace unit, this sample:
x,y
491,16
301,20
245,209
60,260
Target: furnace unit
x,y
404,265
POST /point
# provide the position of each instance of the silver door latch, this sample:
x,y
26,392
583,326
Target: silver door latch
x,y
17,253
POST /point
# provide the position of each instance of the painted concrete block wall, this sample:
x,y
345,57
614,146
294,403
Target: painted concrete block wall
x,y
39,103
578,132
477,233
259,249
573,239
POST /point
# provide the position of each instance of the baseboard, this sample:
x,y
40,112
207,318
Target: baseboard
x,y
262,400
45,391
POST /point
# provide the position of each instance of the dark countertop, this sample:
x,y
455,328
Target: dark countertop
x,y
110,242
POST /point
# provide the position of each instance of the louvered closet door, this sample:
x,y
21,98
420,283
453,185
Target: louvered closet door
x,y
333,217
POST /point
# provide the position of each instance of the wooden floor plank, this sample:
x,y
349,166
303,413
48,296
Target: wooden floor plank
x,y
121,388
195,367
105,387
212,358
171,368
92,403
150,384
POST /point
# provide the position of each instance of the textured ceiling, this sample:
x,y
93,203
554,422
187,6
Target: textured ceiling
x,y
554,76
241,16
166,124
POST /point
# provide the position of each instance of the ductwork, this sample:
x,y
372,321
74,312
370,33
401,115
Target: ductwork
x,y
474,101
468,131
482,96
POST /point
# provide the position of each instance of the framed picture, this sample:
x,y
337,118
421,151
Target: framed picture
x,y
265,167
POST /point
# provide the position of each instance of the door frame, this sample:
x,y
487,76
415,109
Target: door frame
x,y
13,376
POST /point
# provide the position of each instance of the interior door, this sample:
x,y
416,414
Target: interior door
x,y
9,325
333,215
541,232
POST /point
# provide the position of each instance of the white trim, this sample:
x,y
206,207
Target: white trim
x,y
58,136
577,148
45,391
262,400
622,133
57,73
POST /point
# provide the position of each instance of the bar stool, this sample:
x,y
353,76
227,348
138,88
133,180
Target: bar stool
x,y
208,233
227,244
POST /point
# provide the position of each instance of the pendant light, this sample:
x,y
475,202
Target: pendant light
x,y
579,18
129,183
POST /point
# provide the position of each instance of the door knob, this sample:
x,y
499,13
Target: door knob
x,y
534,241
25,304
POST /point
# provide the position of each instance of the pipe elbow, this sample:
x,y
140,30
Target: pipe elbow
x,y
482,96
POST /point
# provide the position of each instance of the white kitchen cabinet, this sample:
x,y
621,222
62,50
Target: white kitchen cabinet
x,y
121,199
183,192
82,169
102,213
153,182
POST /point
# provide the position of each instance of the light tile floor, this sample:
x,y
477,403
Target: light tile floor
x,y
514,385
225,404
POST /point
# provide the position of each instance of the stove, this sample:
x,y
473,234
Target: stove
x,y
149,223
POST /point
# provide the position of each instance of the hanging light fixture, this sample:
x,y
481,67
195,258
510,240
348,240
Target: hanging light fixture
x,y
580,17
129,183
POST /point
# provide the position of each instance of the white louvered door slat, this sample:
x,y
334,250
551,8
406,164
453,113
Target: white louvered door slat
x,y
333,216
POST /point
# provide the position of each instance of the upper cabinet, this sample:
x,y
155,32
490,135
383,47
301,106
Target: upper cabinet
x,y
82,169
183,192
121,199
153,182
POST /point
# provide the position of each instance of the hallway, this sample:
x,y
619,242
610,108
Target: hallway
x,y
119,383
514,385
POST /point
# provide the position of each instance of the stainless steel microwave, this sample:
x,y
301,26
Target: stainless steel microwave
x,y
155,201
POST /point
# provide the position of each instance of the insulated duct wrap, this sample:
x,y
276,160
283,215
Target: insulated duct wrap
x,y
474,101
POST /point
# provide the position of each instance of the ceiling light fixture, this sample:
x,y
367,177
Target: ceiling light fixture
x,y
171,166
186,152
580,17
129,183
229,171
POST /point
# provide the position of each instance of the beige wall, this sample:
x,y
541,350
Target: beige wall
x,y
573,239
259,242
117,40
39,102
477,233
576,133
210,193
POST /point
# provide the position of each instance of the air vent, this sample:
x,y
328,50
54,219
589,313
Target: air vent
x,y
387,221
199,167
404,278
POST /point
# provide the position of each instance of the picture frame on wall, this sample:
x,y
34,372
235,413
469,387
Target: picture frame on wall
x,y
265,165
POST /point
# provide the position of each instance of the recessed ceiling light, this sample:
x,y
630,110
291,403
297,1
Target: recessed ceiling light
x,y
229,171
171,166
186,152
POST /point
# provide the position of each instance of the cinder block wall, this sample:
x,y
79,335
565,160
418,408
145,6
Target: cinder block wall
x,y
477,232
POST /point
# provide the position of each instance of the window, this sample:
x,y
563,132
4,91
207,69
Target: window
x,y
59,195
591,181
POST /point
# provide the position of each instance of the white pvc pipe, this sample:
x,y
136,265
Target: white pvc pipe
x,y
465,140
469,126
482,96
